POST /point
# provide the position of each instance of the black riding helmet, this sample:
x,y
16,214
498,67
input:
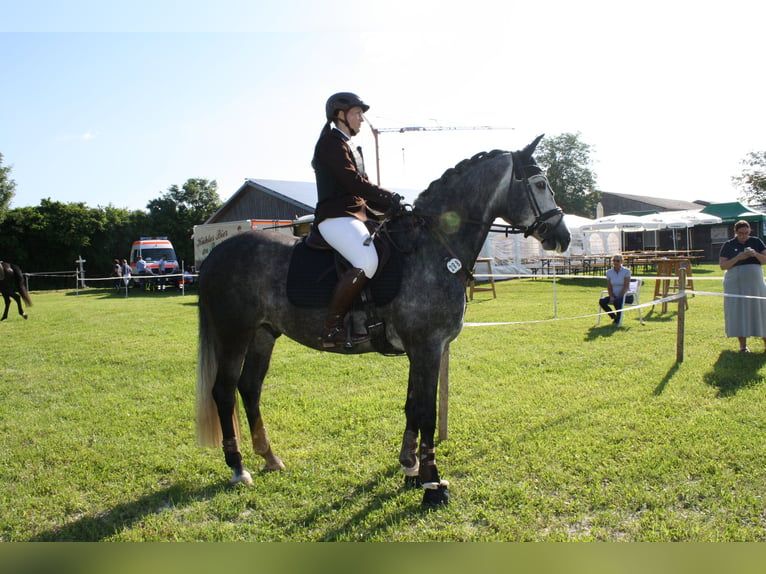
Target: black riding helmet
x,y
343,101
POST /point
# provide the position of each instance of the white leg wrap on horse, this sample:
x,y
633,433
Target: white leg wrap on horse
x,y
243,477
413,470
434,485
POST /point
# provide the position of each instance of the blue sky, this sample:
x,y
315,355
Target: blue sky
x,y
112,103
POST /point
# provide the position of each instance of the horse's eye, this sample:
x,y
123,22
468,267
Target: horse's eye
x,y
541,185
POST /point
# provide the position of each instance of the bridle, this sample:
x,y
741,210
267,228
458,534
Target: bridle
x,y
540,225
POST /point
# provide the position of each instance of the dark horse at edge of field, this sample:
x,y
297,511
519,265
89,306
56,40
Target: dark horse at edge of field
x,y
12,285
243,304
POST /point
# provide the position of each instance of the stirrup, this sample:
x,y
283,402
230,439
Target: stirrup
x,y
337,337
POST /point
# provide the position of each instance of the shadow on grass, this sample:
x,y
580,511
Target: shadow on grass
x,y
123,516
371,496
659,389
371,499
734,371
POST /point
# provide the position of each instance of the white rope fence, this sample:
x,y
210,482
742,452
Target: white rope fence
x,y
119,282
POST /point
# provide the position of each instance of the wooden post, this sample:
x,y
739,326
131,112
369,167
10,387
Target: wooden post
x,y
681,314
444,393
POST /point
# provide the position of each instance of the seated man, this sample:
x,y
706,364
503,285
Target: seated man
x,y
617,283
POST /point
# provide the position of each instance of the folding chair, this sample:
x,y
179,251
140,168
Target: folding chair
x,y
632,299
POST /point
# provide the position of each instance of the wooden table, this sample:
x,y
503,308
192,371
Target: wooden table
x,y
667,268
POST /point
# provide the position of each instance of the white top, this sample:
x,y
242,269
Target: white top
x,y
617,279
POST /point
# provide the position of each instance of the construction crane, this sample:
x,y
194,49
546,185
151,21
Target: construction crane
x,y
377,131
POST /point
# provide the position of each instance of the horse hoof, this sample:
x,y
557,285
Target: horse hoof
x,y
243,477
411,482
25,316
436,495
274,464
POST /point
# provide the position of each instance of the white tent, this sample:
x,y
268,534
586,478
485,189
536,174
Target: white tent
x,y
509,251
680,220
616,224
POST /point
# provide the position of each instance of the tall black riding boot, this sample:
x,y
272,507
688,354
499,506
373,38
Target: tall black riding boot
x,y
349,286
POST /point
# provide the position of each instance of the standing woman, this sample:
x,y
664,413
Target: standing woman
x,y
343,194
741,257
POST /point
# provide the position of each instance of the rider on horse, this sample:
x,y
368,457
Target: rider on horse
x,y
344,193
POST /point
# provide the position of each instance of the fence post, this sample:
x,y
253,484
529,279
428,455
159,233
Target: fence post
x,y
681,315
444,393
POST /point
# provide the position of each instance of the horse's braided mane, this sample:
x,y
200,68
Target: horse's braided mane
x,y
460,168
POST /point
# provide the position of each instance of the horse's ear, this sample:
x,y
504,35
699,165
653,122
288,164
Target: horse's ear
x,y
530,149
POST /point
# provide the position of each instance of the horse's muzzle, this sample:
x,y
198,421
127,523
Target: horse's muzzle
x,y
551,231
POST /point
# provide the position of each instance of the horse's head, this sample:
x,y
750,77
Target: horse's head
x,y
542,219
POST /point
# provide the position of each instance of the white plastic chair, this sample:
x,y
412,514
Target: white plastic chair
x,y
632,299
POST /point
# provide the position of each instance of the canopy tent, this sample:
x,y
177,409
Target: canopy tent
x,y
733,211
619,224
684,219
616,222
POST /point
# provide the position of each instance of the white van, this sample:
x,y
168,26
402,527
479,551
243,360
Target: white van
x,y
152,249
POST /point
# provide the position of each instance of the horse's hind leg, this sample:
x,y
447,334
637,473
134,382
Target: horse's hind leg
x,y
17,298
250,385
224,394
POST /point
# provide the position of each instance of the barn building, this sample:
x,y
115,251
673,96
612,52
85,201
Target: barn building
x,y
268,199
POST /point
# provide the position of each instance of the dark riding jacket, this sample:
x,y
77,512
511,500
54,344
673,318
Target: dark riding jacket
x,y
343,189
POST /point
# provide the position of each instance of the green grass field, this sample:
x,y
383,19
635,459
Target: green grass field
x,y
559,430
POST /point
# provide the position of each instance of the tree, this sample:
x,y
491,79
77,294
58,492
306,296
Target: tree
x,y
7,188
566,160
752,181
176,212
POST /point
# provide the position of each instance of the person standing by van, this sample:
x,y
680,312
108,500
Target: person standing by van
x,y
117,272
161,271
125,272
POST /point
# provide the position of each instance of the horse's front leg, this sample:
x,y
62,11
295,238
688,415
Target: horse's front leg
x,y
7,305
420,410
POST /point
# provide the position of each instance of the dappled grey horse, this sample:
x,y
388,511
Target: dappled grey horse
x,y
244,304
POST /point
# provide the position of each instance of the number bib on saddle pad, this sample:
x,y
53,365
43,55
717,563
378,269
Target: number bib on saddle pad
x,y
312,277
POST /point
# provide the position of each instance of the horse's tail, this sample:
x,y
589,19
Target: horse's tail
x,y
208,424
21,285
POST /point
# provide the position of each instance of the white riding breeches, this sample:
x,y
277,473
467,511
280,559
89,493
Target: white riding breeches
x,y
346,235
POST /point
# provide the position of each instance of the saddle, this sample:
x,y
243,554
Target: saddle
x,y
314,270
315,267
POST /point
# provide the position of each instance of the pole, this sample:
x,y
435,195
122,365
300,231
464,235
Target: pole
x,y
444,393
555,303
681,315
377,153
80,261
